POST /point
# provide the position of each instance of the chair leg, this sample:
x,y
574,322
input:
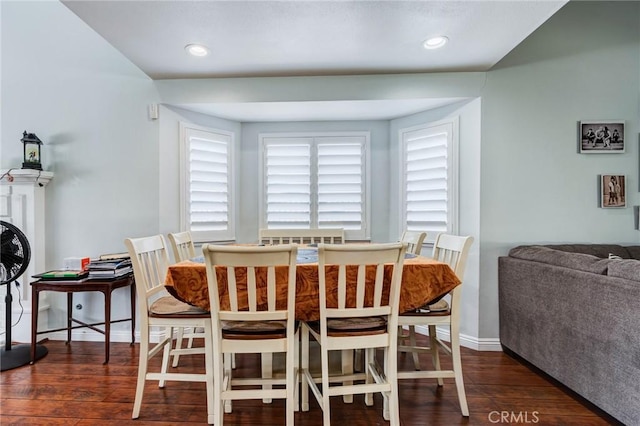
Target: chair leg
x,y
166,355
267,372
401,334
296,373
179,335
190,341
347,368
218,382
369,357
143,364
358,360
392,377
291,383
209,371
304,366
385,395
326,406
412,342
435,355
457,371
226,366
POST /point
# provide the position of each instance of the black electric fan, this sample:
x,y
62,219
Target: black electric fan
x,y
15,254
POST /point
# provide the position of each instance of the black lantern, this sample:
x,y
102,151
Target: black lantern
x,y
32,159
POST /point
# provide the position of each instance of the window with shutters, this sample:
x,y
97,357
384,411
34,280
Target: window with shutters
x,y
315,181
429,178
206,190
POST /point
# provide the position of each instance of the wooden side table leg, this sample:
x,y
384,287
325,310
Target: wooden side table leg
x,y
69,315
133,312
107,324
34,321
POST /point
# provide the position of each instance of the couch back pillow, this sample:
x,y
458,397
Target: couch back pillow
x,y
579,261
600,250
634,252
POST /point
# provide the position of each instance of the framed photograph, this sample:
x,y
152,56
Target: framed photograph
x,y
613,191
601,137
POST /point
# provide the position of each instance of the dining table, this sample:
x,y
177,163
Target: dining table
x,y
423,280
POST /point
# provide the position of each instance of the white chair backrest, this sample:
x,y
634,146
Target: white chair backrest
x,y
453,250
362,266
251,269
302,236
182,245
414,239
150,261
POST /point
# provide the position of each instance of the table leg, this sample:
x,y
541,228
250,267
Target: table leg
x,y
69,315
34,321
133,312
107,324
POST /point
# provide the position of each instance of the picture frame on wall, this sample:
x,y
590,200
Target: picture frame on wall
x,y
613,192
601,137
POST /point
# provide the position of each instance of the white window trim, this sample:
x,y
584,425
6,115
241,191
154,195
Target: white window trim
x,y
453,175
206,236
365,233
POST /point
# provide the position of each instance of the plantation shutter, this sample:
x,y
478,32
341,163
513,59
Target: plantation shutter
x,y
341,183
288,183
426,179
208,192
315,181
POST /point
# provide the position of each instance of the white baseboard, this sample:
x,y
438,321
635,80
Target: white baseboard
x,y
123,336
471,342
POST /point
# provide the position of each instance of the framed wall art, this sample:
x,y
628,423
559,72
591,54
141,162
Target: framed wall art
x,y
613,191
601,137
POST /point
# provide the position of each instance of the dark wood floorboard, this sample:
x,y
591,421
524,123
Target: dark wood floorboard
x,y
70,386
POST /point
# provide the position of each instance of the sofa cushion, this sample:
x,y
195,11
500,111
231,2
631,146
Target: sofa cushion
x,y
579,261
627,268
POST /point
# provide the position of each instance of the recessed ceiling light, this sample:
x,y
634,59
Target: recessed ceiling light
x,y
196,50
435,42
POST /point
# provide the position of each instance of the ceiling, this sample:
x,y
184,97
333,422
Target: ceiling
x,y
306,38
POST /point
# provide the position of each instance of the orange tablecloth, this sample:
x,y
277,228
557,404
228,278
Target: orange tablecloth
x,y
423,280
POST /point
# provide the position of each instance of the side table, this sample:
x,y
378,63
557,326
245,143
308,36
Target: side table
x,y
105,286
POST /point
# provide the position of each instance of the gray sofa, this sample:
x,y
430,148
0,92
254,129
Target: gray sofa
x,y
574,313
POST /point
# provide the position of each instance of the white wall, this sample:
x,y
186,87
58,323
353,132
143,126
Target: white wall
x,y
469,113
88,104
583,63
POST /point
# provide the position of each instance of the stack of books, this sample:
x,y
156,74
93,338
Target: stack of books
x,y
109,267
62,274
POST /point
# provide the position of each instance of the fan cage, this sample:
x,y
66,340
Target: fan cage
x,y
15,253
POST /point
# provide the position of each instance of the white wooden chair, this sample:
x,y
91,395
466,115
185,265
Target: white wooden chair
x,y
182,246
367,326
159,309
183,249
302,236
414,240
299,236
262,328
453,250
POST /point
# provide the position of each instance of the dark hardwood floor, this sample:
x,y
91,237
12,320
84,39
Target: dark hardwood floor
x,y
70,386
